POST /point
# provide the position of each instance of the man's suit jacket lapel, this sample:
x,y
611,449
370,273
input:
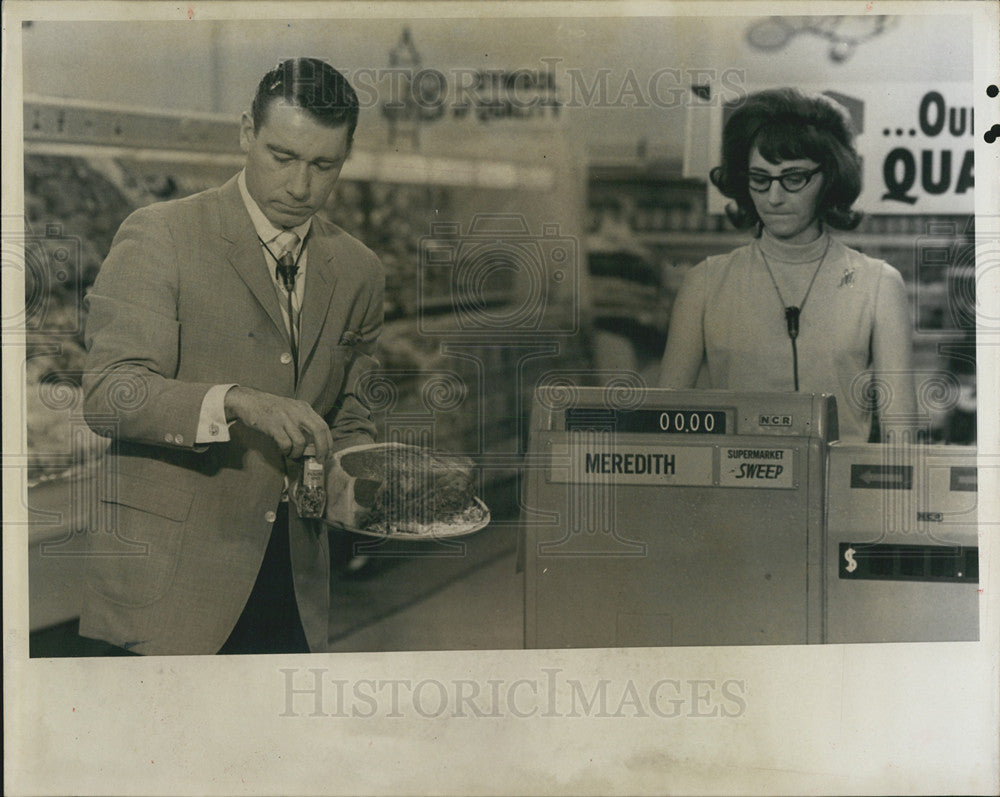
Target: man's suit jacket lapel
x,y
244,251
321,277
245,255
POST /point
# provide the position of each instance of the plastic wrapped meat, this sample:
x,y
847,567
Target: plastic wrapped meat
x,y
392,489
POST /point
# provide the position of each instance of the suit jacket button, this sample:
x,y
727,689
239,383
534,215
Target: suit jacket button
x,y
179,439
270,517
286,358
168,437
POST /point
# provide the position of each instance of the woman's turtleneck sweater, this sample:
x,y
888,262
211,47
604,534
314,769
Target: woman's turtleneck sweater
x,y
744,331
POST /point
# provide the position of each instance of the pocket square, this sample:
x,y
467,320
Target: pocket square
x,y
350,338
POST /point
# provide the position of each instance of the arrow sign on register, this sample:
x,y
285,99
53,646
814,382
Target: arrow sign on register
x,y
963,479
882,477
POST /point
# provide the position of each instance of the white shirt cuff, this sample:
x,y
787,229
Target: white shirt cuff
x,y
212,424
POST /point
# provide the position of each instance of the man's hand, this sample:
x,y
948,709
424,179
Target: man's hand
x,y
289,422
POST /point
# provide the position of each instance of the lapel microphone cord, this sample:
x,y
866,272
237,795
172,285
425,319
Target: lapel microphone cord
x,y
793,313
287,271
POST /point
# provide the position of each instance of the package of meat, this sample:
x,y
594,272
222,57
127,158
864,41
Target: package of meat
x,y
401,491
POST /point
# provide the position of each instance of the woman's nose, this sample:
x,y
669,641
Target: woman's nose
x,y
775,193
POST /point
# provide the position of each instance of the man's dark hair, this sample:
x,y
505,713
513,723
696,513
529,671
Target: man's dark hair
x,y
312,85
787,124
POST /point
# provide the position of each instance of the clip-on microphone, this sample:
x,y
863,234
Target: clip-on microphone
x,y
287,272
792,320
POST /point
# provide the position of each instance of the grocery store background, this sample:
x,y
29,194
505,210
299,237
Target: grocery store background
x,y
563,165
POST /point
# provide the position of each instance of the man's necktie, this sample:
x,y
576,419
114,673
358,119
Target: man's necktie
x,y
285,270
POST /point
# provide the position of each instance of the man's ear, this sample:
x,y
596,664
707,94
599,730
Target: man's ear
x,y
246,132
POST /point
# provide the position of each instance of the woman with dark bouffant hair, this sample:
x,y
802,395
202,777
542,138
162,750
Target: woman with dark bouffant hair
x,y
795,309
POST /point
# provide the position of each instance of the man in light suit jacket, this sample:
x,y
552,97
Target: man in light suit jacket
x,y
212,371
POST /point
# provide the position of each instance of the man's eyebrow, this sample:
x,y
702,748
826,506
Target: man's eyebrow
x,y
293,154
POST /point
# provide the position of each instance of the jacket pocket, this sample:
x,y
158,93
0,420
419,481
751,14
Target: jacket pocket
x,y
151,518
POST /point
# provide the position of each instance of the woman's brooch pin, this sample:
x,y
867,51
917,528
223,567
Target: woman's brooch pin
x,y
848,278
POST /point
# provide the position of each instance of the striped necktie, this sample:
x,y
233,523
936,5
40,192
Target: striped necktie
x,y
285,270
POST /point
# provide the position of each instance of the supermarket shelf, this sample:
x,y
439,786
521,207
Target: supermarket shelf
x,y
415,169
139,155
362,166
75,128
61,120
465,302
730,240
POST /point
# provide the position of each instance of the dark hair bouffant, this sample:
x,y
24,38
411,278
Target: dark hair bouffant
x,y
786,124
312,85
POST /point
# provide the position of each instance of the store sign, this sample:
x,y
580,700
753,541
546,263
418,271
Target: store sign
x,y
915,141
429,95
411,93
917,149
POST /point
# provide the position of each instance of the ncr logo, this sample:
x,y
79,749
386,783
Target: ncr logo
x,y
775,420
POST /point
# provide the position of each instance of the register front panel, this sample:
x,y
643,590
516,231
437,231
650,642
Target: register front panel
x,y
657,518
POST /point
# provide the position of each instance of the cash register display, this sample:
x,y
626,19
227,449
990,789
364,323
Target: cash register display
x,y
653,421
